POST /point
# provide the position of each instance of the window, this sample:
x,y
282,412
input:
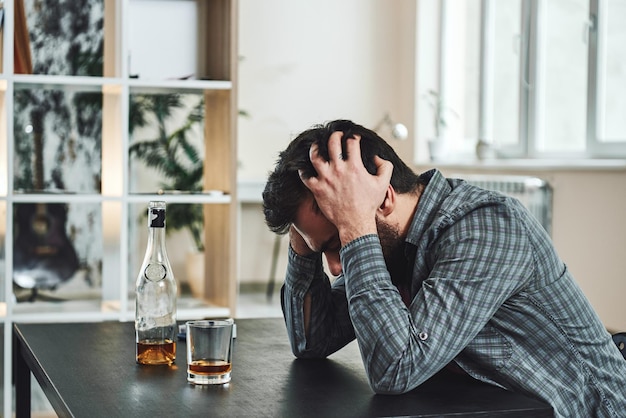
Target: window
x,y
535,78
608,64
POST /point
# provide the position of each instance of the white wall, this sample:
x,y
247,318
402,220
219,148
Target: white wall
x,y
307,62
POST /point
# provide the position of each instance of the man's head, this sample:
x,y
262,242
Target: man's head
x,y
285,192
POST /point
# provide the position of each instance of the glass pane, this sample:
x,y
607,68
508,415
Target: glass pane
x,y
58,139
614,72
565,72
507,51
57,251
184,225
470,74
167,142
64,37
4,145
456,105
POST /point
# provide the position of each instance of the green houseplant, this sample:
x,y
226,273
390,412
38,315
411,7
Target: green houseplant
x,y
172,153
438,144
441,111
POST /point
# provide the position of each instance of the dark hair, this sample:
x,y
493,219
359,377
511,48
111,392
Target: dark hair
x,y
284,190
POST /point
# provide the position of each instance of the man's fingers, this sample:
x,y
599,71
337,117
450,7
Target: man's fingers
x,y
384,168
319,163
334,147
353,149
314,152
308,182
335,151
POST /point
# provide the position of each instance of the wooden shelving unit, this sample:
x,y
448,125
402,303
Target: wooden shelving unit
x,y
118,199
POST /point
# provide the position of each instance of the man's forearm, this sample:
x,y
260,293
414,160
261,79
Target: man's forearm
x,y
316,312
299,247
306,313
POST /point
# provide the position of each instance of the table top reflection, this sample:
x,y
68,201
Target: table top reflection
x,y
90,370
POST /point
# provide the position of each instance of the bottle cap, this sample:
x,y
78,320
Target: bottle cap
x,y
157,213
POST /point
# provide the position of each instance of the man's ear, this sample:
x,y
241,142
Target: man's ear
x,y
389,203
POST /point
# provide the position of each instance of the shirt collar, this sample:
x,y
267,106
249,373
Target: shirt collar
x,y
437,188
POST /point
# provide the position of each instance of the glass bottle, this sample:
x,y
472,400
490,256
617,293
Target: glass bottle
x,y
155,291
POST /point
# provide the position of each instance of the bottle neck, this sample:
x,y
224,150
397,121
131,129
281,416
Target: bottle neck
x,y
156,237
156,231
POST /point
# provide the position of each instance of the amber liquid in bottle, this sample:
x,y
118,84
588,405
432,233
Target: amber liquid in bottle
x,y
156,352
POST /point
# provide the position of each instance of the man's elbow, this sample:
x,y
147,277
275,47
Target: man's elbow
x,y
392,383
307,353
384,388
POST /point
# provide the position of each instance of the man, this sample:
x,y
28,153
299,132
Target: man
x,y
431,271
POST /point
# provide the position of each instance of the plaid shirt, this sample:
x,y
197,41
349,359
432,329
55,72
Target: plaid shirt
x,y
488,291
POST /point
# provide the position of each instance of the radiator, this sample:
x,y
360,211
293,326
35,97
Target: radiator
x,y
533,192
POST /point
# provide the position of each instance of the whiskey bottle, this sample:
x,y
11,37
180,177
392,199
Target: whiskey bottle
x,y
155,291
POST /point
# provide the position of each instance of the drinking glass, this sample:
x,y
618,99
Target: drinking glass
x,y
209,351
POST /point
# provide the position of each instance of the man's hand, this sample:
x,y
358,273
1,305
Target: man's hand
x,y
298,244
344,191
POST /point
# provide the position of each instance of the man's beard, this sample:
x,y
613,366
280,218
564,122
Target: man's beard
x,y
393,252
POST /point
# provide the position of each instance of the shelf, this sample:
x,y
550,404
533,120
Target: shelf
x,y
95,310
66,83
212,197
112,85
168,86
67,311
23,197
206,198
78,148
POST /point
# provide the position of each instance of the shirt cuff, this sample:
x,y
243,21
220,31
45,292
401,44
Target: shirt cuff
x,y
363,264
301,272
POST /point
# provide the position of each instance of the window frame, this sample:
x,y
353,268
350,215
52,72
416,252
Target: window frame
x,y
531,82
597,62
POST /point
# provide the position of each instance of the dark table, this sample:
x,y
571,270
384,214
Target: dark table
x,y
89,370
